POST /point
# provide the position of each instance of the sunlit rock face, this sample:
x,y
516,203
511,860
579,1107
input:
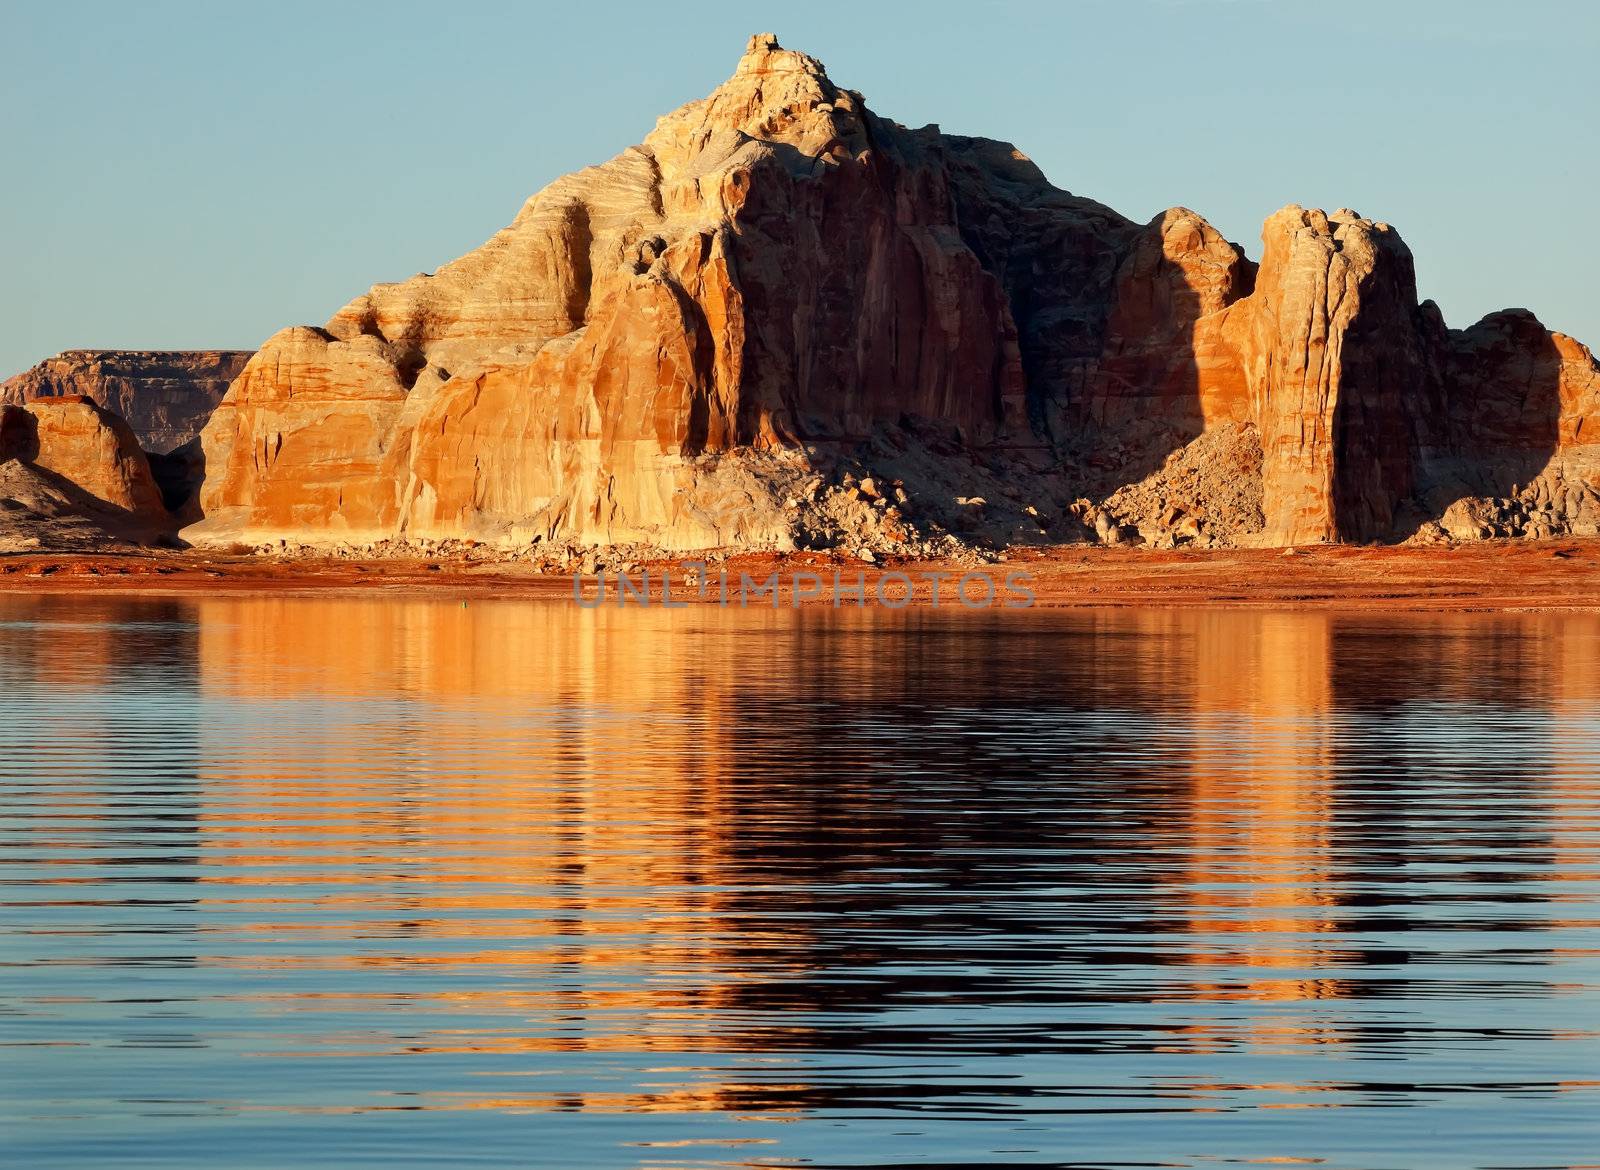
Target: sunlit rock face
x,y
660,348
772,265
1328,347
1374,417
91,448
72,475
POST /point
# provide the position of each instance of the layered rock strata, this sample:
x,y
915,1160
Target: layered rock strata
x,y
699,342
166,396
782,319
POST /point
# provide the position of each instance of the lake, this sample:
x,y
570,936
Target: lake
x,y
331,882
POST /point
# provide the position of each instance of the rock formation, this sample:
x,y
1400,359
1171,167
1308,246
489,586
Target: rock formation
x,y
782,319
1326,346
1511,444
165,396
773,266
72,469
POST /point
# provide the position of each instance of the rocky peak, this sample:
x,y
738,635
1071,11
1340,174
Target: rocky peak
x,y
765,55
775,96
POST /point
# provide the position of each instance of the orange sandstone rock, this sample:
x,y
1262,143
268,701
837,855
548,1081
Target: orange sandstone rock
x,y
684,346
297,444
72,476
774,265
1328,346
75,439
165,396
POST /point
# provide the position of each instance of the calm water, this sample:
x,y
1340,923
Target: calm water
x,y
333,883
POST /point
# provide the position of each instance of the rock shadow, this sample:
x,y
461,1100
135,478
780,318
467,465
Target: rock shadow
x,y
1492,425
1142,401
1159,384
179,474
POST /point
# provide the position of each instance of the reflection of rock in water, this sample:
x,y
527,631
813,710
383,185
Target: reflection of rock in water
x,y
521,802
547,830
1401,780
1260,831
104,722
99,746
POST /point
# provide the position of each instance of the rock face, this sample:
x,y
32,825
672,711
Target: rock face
x,y
1512,446
1327,346
166,396
772,266
782,319
70,468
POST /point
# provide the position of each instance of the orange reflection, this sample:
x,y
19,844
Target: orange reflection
x,y
1259,823
559,803
575,753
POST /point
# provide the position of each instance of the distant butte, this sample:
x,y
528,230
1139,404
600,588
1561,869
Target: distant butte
x,y
166,396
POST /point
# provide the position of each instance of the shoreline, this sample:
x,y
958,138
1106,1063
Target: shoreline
x,y
1488,575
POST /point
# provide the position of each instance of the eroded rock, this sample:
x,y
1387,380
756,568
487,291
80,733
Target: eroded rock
x,y
166,396
784,321
71,474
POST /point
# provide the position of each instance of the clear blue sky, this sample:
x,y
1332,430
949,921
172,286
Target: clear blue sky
x,y
202,174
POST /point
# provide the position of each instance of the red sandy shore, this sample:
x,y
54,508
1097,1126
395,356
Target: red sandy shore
x,y
1493,575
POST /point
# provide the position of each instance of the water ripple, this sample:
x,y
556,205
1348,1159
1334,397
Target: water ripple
x,y
303,881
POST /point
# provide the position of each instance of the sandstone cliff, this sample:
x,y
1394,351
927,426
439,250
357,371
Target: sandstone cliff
x,y
773,266
782,319
165,396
